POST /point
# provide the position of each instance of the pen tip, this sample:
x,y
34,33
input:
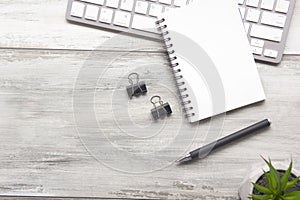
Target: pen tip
x,y
269,121
184,159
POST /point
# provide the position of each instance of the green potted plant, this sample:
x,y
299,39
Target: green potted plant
x,y
274,182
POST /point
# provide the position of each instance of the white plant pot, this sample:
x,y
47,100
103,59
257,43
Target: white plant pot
x,y
246,187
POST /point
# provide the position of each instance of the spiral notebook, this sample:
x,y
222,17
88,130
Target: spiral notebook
x,y
211,58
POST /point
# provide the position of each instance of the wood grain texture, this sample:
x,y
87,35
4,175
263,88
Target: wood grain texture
x,y
3,197
293,44
51,148
50,145
42,24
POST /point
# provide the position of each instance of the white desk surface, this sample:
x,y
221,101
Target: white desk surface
x,y
41,153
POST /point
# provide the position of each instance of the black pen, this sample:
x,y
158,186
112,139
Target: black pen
x,y
205,150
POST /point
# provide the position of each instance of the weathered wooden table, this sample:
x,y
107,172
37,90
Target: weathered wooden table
x,y
54,143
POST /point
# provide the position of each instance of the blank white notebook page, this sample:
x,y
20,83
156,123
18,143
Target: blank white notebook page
x,y
216,71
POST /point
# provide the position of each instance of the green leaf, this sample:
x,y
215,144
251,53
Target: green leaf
x,y
262,189
261,197
291,183
292,195
286,176
272,181
274,175
268,179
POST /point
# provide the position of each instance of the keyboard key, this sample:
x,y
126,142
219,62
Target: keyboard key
x,y
98,2
241,2
271,53
106,15
168,2
112,3
91,12
257,42
273,19
267,4
167,9
141,7
144,23
155,10
77,9
282,6
256,50
122,18
127,5
252,3
253,15
179,3
266,32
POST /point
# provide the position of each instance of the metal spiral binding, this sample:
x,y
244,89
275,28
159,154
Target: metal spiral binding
x,y
172,58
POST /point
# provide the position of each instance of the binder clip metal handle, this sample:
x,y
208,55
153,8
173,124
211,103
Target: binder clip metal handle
x,y
135,89
160,111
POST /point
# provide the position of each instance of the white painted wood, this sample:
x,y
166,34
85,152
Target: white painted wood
x,y
42,24
41,152
293,43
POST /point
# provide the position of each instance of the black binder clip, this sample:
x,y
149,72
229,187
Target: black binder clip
x,y
164,109
137,89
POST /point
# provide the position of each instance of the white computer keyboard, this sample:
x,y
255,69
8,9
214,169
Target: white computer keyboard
x,y
266,21
133,16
